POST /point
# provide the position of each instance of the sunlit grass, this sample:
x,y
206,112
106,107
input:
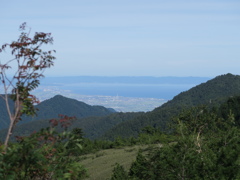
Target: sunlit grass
x,y
101,164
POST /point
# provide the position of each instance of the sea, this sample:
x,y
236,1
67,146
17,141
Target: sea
x,y
158,91
139,87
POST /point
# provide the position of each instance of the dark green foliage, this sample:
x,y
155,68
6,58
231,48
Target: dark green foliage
x,y
93,127
212,93
46,154
151,135
119,173
206,147
93,146
232,106
141,168
78,133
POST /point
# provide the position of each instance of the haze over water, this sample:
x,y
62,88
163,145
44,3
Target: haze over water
x,y
140,87
159,91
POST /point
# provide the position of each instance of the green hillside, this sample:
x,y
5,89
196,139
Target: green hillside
x,y
99,122
62,105
93,127
54,106
211,93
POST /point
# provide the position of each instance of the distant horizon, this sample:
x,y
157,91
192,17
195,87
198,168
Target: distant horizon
x,y
126,78
133,76
126,86
163,76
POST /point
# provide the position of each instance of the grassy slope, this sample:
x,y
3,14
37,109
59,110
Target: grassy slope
x,y
100,165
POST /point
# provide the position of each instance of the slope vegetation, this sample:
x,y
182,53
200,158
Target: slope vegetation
x,y
93,127
51,108
211,93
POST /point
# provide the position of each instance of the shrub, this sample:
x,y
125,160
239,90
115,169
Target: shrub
x,y
46,154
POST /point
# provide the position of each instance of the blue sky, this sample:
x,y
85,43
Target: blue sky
x,y
132,37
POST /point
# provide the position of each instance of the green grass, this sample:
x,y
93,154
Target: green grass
x,y
100,165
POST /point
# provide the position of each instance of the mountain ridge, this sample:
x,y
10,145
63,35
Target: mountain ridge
x,y
211,93
56,105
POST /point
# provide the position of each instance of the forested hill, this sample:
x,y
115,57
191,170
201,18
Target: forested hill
x,y
212,93
62,105
52,107
93,127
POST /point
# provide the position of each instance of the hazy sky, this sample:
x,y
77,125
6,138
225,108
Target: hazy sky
x,y
132,37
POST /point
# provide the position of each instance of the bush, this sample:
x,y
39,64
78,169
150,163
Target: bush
x,y
46,154
119,173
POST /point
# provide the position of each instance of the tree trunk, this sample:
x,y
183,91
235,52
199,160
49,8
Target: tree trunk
x,y
9,133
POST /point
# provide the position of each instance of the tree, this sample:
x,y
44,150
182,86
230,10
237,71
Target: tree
x,y
28,63
206,147
119,173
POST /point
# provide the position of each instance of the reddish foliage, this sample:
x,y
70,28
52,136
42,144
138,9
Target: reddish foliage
x,y
64,121
53,122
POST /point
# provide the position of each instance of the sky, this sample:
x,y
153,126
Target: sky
x,y
132,37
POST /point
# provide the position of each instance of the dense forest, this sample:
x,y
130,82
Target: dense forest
x,y
212,93
93,127
58,104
